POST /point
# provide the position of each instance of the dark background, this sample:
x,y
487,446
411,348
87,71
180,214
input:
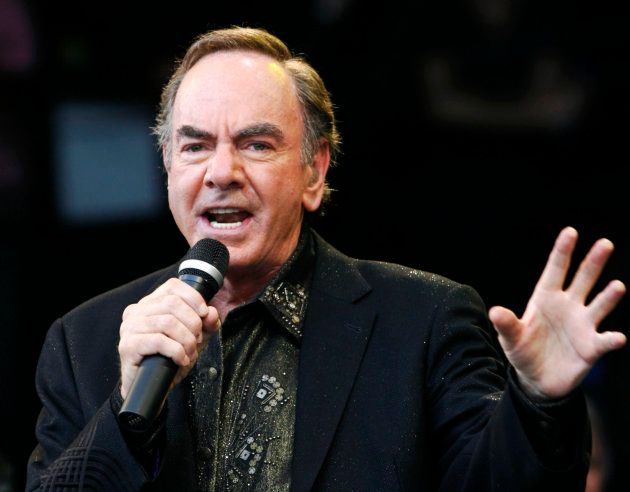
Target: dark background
x,y
473,130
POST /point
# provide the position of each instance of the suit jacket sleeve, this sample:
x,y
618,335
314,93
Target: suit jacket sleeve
x,y
490,437
75,452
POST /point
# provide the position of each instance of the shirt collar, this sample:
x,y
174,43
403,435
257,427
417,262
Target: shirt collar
x,y
286,295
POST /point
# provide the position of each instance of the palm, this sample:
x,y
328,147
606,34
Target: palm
x,y
556,342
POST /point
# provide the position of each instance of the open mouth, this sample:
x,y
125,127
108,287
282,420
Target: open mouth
x,y
226,218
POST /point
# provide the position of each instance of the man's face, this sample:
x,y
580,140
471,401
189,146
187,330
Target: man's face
x,y
235,172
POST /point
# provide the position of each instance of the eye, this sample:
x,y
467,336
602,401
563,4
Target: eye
x,y
194,147
258,146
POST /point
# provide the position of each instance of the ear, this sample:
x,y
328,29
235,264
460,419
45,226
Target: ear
x,y
316,178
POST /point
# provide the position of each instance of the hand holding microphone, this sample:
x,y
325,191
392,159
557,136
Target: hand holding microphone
x,y
161,334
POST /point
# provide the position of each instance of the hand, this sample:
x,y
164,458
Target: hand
x,y
556,342
174,321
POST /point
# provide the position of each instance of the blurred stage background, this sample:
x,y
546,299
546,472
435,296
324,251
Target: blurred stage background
x,y
473,131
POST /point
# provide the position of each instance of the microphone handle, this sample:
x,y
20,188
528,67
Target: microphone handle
x,y
148,392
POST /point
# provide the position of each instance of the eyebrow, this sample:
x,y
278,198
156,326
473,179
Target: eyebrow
x,y
261,129
256,130
187,131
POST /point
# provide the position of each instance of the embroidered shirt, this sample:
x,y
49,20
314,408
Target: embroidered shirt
x,y
244,385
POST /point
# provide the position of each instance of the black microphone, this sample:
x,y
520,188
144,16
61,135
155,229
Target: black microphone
x,y
203,268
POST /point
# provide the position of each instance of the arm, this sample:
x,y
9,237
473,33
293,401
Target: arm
x,y
74,451
80,442
486,433
537,432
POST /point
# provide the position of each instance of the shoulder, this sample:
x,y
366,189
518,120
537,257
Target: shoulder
x,y
400,276
108,307
409,306
80,348
87,336
421,295
399,281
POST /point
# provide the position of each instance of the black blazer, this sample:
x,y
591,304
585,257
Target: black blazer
x,y
400,388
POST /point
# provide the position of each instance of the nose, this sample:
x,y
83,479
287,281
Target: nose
x,y
224,169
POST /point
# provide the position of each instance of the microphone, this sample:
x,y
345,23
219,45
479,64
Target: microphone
x,y
203,268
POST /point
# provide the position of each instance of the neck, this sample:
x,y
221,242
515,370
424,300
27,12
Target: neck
x,y
243,284
239,289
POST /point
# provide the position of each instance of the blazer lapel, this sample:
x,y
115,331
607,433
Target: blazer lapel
x,y
336,332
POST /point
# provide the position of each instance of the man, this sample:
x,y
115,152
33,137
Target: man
x,y
309,370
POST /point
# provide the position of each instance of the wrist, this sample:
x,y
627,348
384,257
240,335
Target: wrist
x,y
531,390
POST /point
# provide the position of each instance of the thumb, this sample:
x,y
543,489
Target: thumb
x,y
211,323
506,323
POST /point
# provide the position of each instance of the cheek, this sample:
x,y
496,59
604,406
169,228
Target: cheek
x,y
182,190
185,182
286,197
289,186
174,193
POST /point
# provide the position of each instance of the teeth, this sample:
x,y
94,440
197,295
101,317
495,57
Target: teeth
x,y
217,212
225,225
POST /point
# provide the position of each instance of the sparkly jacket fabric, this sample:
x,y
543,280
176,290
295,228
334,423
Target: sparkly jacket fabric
x,y
400,387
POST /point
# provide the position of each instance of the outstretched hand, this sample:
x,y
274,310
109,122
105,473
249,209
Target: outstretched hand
x,y
556,342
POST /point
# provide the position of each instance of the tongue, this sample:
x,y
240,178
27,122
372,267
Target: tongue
x,y
231,217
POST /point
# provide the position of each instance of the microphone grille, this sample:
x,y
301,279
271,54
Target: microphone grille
x,y
209,251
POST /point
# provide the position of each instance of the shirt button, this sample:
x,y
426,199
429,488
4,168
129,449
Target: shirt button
x,y
205,453
212,373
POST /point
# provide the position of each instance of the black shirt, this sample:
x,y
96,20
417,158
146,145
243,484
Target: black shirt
x,y
244,385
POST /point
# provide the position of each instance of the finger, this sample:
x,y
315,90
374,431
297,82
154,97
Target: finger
x,y
168,325
606,301
590,269
170,316
168,304
211,322
609,340
135,347
174,286
506,323
555,271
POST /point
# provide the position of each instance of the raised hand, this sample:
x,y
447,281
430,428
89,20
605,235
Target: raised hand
x,y
556,342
